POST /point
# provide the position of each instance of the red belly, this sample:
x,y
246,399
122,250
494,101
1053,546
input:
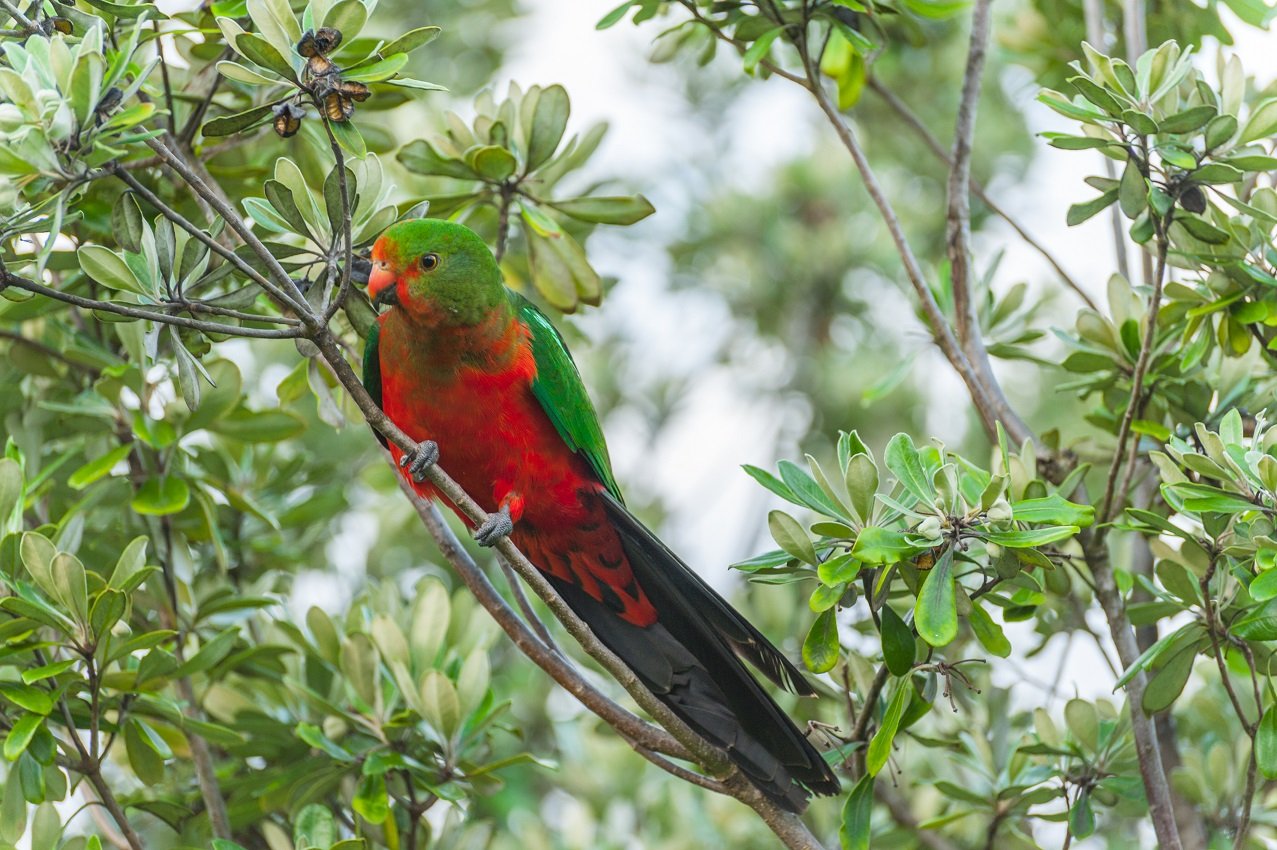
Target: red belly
x,y
497,443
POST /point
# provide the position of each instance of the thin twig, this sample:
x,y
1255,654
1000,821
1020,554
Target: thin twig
x,y
958,215
1137,379
190,175
7,278
343,289
932,144
283,298
525,607
991,406
26,23
787,826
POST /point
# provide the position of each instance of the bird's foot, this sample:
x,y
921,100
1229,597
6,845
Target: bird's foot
x,y
426,456
494,528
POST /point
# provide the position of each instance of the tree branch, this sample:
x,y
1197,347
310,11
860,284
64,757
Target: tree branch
x,y
991,407
1137,380
932,144
7,278
958,222
787,826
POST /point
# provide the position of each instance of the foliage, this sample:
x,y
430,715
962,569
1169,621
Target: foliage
x,y
170,498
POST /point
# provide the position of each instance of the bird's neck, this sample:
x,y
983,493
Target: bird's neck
x,y
490,345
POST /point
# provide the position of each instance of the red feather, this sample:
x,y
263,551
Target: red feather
x,y
501,448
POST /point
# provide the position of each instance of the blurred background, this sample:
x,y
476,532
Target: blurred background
x,y
758,312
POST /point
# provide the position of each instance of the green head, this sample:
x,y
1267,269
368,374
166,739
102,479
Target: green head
x,y
438,272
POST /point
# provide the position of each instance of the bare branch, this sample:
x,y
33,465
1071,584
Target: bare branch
x,y
990,405
933,144
339,158
288,288
1147,750
787,826
958,230
1136,400
7,278
281,297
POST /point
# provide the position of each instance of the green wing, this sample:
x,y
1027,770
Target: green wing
x,y
562,396
372,370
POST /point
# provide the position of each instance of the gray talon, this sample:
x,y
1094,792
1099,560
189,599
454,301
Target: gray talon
x,y
426,456
495,527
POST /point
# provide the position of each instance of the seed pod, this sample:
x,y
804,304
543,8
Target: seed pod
x,y
337,106
288,119
1193,199
319,42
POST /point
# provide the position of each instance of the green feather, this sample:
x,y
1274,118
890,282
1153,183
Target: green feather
x,y
372,370
562,396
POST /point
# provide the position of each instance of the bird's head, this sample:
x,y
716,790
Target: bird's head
x,y
438,272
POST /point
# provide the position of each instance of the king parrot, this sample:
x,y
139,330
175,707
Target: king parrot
x,y
458,360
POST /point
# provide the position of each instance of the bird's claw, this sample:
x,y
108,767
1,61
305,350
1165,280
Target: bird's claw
x,y
494,528
416,463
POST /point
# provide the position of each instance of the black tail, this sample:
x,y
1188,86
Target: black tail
x,y
691,660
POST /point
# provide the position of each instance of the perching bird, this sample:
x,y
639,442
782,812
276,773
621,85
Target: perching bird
x,y
459,361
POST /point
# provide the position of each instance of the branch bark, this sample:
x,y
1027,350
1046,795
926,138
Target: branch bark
x,y
911,119
958,223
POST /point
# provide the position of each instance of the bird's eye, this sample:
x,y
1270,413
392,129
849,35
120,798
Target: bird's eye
x,y
430,262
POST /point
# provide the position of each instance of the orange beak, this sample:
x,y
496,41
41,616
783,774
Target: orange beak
x,y
381,284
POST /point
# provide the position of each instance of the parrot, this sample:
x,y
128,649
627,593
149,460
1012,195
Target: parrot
x,y
456,359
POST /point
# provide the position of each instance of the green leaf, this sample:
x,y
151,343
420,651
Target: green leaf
x,y
492,162
1266,743
98,467
882,546
612,17
549,120
1079,213
1202,230
348,17
1081,816
1165,685
1054,509
376,72
1032,537
861,477
1200,497
759,49
159,496
1132,193
935,614
898,645
349,137
880,746
108,268
1188,120
808,492
1257,623
262,53
620,209
1264,587
857,812
228,125
903,460
410,41
1261,124
314,828
126,222
265,426
371,800
439,699
838,570
20,735
35,700
47,671
820,648
790,536
988,632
